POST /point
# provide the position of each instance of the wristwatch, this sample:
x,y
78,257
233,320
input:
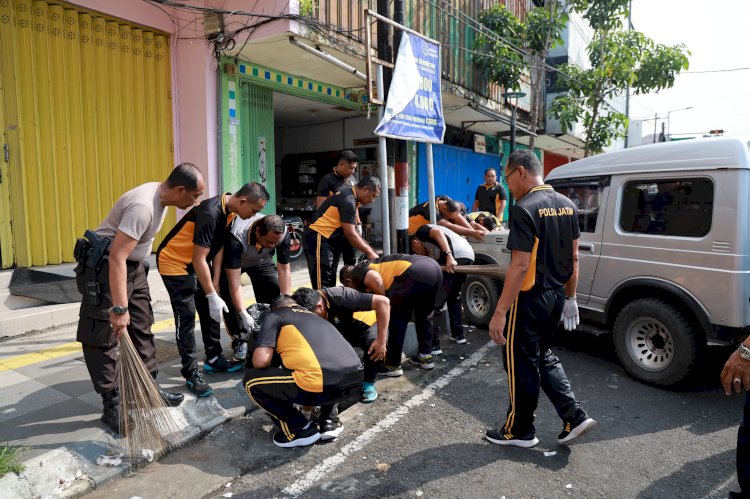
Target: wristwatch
x,y
743,351
118,309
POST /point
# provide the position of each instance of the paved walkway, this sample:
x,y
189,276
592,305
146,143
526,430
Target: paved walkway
x,y
49,408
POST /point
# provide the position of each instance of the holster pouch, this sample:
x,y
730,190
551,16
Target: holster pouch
x,y
91,251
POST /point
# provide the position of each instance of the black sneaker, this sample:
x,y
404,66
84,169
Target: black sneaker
x,y
196,383
459,339
573,430
499,438
302,438
330,429
422,360
391,372
222,365
436,350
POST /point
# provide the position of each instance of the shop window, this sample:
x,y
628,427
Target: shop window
x,y
668,207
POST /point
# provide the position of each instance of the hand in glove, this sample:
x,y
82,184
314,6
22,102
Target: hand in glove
x,y
247,321
570,318
216,306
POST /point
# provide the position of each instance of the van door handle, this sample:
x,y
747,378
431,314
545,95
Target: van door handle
x,y
586,247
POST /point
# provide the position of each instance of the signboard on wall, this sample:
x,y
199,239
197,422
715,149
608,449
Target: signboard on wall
x,y
480,143
414,109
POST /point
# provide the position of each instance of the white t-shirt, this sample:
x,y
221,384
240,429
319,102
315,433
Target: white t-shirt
x,y
461,247
139,214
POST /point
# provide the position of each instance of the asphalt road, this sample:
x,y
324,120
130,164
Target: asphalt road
x,y
424,438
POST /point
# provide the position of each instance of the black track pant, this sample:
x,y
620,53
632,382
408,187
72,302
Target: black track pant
x,y
322,259
265,280
743,449
273,389
187,297
450,294
413,292
529,362
99,344
363,339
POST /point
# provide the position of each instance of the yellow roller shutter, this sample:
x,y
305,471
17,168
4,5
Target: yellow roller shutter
x,y
87,116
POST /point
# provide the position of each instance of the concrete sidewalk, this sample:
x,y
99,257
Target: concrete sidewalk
x,y
50,410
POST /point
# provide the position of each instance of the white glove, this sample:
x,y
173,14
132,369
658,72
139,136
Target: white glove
x,y
216,306
570,318
247,321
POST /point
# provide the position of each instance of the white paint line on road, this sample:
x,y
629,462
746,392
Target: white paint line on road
x,y
331,463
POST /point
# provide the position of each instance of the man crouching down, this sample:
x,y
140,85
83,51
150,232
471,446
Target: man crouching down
x,y
317,367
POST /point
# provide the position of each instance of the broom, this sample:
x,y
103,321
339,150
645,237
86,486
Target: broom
x,y
145,417
494,270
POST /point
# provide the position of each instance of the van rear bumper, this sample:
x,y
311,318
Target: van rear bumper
x,y
728,335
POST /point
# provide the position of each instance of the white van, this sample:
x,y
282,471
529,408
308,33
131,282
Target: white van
x,y
664,249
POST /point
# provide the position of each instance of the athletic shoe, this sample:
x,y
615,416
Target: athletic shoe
x,y
196,383
460,339
222,365
422,360
368,392
302,438
573,429
330,429
497,437
240,351
391,372
436,350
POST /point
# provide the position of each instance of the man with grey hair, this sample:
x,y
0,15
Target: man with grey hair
x,y
539,289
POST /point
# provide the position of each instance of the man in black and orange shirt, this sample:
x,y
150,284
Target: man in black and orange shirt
x,y
447,214
412,283
318,367
491,195
361,318
342,175
185,259
333,227
543,271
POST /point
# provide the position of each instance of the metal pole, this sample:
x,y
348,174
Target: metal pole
x,y
431,183
512,128
656,118
383,167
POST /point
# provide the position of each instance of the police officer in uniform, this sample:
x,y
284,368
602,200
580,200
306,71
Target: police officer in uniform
x,y
250,248
447,214
116,297
361,318
539,290
342,175
317,367
333,227
412,283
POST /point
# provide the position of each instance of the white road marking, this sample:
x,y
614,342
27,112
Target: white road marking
x,y
331,463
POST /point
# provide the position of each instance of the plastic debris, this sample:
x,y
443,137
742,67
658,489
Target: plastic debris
x,y
419,493
569,486
109,461
147,454
229,484
549,453
432,405
228,494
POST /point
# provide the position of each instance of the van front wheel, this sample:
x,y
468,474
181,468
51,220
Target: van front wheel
x,y
655,342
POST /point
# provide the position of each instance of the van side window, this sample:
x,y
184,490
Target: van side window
x,y
586,198
668,207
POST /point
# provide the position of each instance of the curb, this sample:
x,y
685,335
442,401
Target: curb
x,y
72,471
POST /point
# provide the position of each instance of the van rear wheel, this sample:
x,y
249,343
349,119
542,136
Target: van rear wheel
x,y
479,297
655,342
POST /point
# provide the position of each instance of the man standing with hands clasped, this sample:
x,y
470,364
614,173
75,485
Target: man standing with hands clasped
x,y
539,288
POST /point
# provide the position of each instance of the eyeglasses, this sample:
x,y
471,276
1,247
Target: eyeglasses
x,y
506,177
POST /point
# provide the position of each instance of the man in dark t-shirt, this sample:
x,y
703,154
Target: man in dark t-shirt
x,y
491,195
539,290
341,176
318,367
185,259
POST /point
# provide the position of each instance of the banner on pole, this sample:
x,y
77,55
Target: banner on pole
x,y
414,109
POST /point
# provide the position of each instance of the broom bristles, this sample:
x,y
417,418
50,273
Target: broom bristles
x,y
488,270
145,417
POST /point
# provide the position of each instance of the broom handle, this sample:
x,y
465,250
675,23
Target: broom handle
x,y
477,269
